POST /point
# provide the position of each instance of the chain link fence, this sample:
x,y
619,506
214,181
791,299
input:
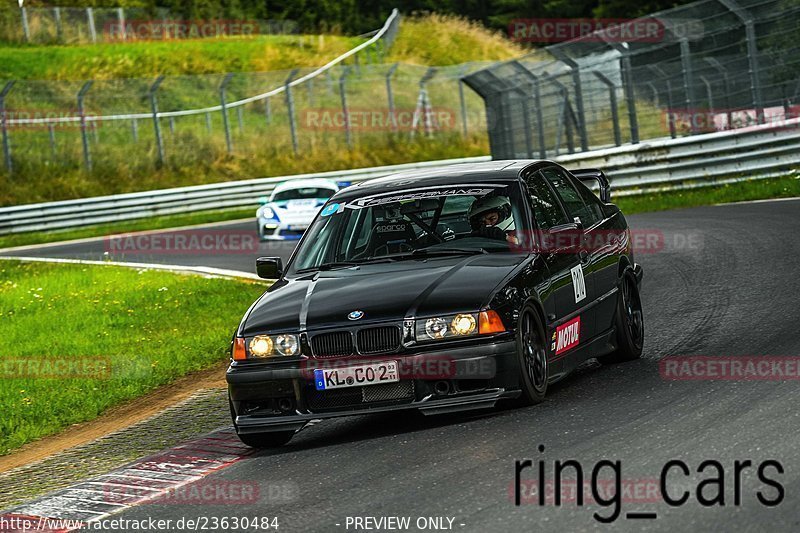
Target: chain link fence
x,y
74,25
356,101
707,66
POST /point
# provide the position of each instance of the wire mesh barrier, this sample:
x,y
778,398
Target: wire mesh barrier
x,y
73,25
355,100
707,66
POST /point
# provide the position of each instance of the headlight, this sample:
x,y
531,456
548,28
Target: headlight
x,y
261,346
274,345
287,344
447,327
463,324
436,328
267,212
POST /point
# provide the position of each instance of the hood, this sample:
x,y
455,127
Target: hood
x,y
383,291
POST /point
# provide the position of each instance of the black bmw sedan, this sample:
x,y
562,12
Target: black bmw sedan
x,y
438,290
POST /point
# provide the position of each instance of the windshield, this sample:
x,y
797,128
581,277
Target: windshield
x,y
303,194
452,219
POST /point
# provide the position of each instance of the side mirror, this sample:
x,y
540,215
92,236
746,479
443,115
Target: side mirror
x,y
269,267
594,174
262,200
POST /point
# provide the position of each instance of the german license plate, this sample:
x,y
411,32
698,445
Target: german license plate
x,y
356,376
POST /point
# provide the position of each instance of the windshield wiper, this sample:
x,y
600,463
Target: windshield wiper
x,y
450,251
329,266
426,252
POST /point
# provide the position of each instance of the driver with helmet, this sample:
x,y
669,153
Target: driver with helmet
x,y
485,215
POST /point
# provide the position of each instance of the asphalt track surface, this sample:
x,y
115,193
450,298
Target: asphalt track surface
x,y
725,283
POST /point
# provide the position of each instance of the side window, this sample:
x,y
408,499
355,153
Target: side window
x,y
546,210
593,205
569,195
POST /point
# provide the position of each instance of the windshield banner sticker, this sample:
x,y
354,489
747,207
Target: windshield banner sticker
x,y
419,195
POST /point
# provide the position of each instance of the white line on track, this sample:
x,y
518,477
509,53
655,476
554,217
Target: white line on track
x,y
142,232
179,269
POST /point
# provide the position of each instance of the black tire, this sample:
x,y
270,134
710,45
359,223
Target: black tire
x,y
267,440
271,439
629,323
532,358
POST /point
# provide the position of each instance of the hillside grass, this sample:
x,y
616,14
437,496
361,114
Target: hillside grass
x,y
438,40
170,58
127,332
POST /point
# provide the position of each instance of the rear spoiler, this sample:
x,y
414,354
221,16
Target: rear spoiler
x,y
589,174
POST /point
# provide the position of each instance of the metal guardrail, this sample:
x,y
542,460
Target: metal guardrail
x,y
666,164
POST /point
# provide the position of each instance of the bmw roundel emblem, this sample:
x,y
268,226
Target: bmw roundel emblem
x,y
355,315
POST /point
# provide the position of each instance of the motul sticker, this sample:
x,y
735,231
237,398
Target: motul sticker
x,y
567,336
578,283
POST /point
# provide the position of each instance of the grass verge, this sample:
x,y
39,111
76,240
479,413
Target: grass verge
x,y
76,340
783,187
101,230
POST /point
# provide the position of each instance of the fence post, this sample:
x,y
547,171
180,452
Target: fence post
x,y
59,26
627,83
151,93
26,30
224,105
688,86
121,21
576,80
424,105
87,156
390,95
135,129
655,92
268,110
4,124
343,95
310,87
725,80
51,134
290,109
752,55
612,98
90,19
208,121
709,94
172,126
462,101
537,102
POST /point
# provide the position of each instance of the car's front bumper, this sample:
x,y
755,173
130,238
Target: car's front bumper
x,y
279,397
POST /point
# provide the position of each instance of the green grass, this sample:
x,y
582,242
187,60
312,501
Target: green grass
x,y
783,187
170,58
100,230
148,327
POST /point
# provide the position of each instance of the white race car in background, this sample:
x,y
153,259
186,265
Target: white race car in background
x,y
292,206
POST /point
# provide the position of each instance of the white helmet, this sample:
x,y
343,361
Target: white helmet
x,y
487,204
